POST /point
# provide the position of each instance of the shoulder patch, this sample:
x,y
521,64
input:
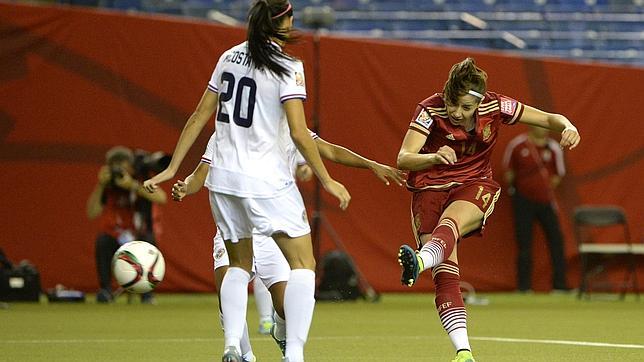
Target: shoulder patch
x,y
299,79
424,119
508,105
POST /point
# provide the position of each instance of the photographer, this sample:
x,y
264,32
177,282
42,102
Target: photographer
x,y
125,210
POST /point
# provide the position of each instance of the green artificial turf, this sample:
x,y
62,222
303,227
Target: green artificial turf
x,y
400,327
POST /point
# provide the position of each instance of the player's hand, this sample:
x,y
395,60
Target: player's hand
x,y
104,175
570,137
386,173
339,191
151,184
444,156
303,173
179,190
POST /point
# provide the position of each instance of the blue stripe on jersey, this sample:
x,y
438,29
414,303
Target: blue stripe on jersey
x,y
292,96
205,160
213,89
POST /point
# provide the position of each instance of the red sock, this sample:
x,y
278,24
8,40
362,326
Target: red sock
x,y
449,301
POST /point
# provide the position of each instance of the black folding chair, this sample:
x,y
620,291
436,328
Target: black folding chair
x,y
595,227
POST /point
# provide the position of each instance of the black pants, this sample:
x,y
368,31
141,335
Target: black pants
x,y
106,246
525,214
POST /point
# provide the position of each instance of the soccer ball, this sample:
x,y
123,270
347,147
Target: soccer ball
x,y
138,266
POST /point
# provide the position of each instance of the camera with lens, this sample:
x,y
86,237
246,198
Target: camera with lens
x,y
116,172
148,164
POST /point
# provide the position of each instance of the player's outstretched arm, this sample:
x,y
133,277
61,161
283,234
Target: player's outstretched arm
x,y
302,138
206,107
555,122
410,159
346,157
193,183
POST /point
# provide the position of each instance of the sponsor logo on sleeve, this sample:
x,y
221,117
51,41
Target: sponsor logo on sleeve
x,y
219,253
508,106
424,119
299,79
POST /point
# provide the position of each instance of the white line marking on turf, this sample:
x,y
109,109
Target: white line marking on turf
x,y
321,338
557,341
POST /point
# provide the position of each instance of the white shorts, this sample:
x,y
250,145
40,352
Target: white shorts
x,y
238,217
269,263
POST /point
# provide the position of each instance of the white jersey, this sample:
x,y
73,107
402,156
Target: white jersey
x,y
251,157
294,157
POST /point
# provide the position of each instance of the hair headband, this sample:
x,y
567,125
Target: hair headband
x,y
288,7
475,94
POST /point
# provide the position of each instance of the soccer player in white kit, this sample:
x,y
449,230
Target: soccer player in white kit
x,y
271,268
258,91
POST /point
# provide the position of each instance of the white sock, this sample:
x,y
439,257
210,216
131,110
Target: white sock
x,y
234,298
431,254
280,327
459,339
245,340
244,343
299,302
262,300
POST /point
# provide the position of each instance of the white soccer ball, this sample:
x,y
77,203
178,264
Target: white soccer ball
x,y
138,266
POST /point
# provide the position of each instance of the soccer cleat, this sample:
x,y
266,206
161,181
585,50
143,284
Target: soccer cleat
x,y
281,344
231,355
408,259
251,359
464,356
265,326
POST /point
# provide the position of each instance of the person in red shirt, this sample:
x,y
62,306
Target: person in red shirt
x,y
115,200
534,167
447,150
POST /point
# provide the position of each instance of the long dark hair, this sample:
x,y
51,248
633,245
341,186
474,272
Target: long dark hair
x,y
464,76
264,19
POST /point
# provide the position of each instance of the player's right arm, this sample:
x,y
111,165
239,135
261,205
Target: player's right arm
x,y
205,109
193,183
410,159
302,138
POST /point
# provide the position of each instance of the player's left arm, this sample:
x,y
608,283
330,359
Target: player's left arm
x,y
552,121
346,157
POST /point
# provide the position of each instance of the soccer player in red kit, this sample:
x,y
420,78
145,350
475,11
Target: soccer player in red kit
x,y
447,150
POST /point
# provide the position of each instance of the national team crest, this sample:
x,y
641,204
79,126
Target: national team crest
x,y
299,79
487,132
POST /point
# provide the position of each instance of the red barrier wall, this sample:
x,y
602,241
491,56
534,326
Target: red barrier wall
x,y
75,82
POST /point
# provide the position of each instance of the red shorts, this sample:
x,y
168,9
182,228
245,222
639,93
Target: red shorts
x,y
427,206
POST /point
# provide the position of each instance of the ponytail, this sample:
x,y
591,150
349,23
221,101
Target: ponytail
x,y
463,78
264,20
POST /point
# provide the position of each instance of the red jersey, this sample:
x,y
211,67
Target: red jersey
x,y
473,149
534,167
